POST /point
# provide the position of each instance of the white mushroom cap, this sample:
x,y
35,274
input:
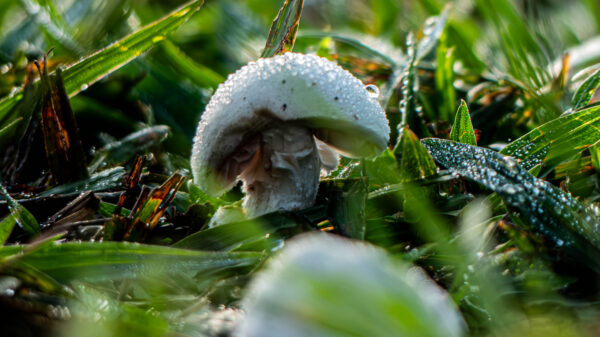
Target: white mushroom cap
x,y
306,90
323,285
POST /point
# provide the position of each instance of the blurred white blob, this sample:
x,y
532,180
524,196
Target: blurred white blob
x,y
325,286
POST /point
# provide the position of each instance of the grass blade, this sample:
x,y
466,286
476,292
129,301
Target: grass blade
x,y
584,93
89,261
232,236
409,106
158,201
558,139
107,179
525,58
346,206
433,30
545,209
9,129
6,226
90,69
416,162
444,79
462,129
282,34
63,146
20,214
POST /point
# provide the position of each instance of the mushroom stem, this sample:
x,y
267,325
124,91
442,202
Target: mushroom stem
x,y
284,174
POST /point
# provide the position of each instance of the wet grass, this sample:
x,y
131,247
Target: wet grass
x,y
489,184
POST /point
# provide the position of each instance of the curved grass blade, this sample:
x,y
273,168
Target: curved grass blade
x,y
89,261
462,130
120,151
267,229
90,69
104,180
9,129
282,34
545,209
20,215
30,102
200,74
434,27
526,59
365,51
557,140
109,59
6,226
584,93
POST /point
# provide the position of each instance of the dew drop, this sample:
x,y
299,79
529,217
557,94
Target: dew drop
x,y
372,90
84,87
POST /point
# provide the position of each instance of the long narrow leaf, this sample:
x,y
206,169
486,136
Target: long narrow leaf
x,y
20,214
282,34
584,93
117,260
6,227
97,65
444,79
231,236
64,150
557,139
544,208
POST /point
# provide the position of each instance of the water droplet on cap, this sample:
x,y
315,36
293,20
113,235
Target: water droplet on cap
x,y
373,90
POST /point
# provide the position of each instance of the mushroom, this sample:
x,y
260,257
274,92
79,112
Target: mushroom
x,y
324,285
260,127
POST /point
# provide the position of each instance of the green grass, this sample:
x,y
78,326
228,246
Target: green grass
x,y
490,183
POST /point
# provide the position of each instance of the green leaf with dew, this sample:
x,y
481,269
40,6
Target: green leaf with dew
x,y
545,209
90,69
584,93
409,105
104,180
20,215
432,34
462,129
557,140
